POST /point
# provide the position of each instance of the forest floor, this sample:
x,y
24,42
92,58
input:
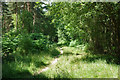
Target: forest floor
x,y
46,68
73,63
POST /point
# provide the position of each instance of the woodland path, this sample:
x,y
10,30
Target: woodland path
x,y
52,63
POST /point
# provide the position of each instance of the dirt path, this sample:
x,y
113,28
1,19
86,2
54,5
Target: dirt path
x,y
52,63
46,68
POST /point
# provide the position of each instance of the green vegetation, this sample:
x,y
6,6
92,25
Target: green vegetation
x,y
69,65
19,66
82,38
80,66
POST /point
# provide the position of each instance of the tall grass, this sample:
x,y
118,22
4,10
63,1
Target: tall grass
x,y
74,63
75,66
26,66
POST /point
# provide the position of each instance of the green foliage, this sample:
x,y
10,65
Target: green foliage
x,y
25,44
33,42
27,20
91,23
27,66
94,27
67,20
81,66
19,22
36,36
41,41
73,43
6,17
9,43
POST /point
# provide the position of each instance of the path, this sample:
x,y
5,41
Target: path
x,y
52,62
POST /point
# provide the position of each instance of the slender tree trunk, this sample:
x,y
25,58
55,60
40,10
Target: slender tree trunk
x,y
0,21
24,8
34,21
118,34
16,16
28,6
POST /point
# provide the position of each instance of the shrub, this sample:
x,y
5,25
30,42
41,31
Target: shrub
x,y
73,43
40,41
25,44
36,36
9,43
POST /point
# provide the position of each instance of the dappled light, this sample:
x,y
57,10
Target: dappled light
x,y
60,40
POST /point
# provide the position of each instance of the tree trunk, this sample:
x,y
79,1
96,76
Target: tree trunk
x,y
28,6
0,21
16,16
34,21
24,8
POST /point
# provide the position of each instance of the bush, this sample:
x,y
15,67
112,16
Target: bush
x,y
25,44
40,41
34,42
73,43
9,43
37,36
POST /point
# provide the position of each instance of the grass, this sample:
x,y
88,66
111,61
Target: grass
x,y
66,68
74,63
27,66
75,66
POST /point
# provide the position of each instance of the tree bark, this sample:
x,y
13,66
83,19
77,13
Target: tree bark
x,y
34,21
16,16
28,6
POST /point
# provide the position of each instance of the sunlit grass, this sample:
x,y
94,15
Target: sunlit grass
x,y
66,68
72,66
27,65
74,63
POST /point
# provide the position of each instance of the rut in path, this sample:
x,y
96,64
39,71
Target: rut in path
x,y
46,68
52,63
